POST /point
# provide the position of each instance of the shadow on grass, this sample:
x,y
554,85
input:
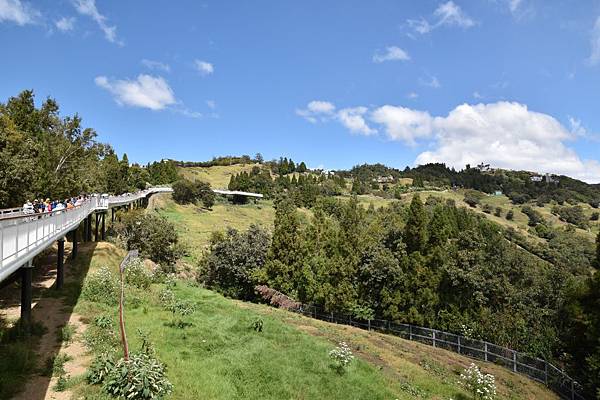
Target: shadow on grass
x,y
23,357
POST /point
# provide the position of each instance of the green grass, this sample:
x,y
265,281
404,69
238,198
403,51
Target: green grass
x,y
217,176
221,356
195,225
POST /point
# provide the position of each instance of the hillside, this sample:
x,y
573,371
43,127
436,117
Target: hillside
x,y
219,356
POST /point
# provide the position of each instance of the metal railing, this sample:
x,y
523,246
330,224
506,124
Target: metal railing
x,y
535,368
23,236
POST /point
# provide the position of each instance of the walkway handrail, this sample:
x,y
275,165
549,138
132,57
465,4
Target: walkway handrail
x,y
24,236
535,368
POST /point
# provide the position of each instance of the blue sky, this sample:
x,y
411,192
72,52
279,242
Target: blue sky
x,y
336,83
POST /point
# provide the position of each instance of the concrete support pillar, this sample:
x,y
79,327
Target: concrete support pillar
x,y
96,237
26,272
75,244
60,264
103,226
112,217
89,228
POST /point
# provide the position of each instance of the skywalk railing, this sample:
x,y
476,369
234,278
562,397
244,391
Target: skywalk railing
x,y
535,368
23,236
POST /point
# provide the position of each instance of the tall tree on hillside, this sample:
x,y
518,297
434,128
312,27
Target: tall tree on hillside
x,y
415,232
286,252
597,261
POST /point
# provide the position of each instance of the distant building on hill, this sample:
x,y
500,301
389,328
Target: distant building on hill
x,y
544,178
484,167
384,179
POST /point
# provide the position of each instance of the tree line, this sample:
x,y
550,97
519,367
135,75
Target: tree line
x,y
46,155
430,264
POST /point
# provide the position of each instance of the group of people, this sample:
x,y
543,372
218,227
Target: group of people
x,y
44,206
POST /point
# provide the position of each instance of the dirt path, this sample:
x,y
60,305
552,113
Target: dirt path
x,y
54,314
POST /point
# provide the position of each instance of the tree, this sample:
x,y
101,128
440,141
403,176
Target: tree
x,y
184,192
415,231
259,158
233,259
302,167
205,194
597,260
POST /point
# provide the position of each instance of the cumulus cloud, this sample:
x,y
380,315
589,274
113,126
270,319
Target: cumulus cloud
x,y
503,134
595,44
203,67
65,24
89,9
156,65
403,124
391,53
18,12
352,118
145,91
445,15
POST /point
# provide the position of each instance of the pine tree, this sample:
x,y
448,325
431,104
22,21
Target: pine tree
x,y
415,231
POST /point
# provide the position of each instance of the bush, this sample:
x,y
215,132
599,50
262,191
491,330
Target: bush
x,y
137,275
141,377
595,216
534,216
151,234
482,386
498,212
100,368
473,198
101,287
184,192
573,215
341,355
487,208
232,260
510,215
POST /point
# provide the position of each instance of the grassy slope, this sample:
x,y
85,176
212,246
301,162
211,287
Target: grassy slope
x,y
217,176
221,357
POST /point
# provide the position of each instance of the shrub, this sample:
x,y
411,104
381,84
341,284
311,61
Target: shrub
x,y
573,215
341,355
232,260
487,208
595,216
510,215
137,275
498,212
258,324
61,383
482,386
66,333
534,216
184,191
141,377
101,287
151,234
473,198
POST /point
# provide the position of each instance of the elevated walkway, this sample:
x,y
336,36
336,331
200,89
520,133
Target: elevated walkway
x,y
23,236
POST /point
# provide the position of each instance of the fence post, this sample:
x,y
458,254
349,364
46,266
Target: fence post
x,y
514,361
369,325
459,344
410,332
485,353
331,317
572,389
546,372
433,338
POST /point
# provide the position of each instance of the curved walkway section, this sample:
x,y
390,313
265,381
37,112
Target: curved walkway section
x,y
22,237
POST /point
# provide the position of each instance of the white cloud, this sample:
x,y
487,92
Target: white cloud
x,y
446,14
156,65
65,24
513,5
323,111
145,91
353,119
88,8
18,12
205,68
595,43
506,135
403,124
450,14
391,53
412,95
503,134
432,82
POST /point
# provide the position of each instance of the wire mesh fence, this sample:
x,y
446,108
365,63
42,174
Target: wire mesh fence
x,y
533,367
